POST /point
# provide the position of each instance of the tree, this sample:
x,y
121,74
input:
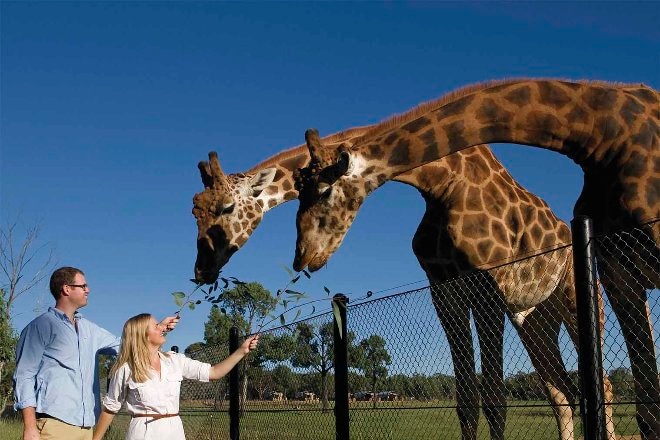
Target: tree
x,y
315,349
7,357
623,383
241,306
193,348
374,357
23,264
283,378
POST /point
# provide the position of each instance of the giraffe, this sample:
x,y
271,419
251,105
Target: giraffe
x,y
236,201
610,130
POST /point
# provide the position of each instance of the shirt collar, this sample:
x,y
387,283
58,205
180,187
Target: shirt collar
x,y
60,314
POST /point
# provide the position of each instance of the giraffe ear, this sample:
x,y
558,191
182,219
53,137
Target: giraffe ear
x,y
205,173
262,179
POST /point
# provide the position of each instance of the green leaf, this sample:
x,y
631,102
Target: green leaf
x,y
335,311
326,290
191,306
178,301
297,315
199,301
282,319
294,293
179,295
289,271
293,281
306,274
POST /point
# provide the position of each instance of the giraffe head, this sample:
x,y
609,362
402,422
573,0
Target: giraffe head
x,y
331,190
227,212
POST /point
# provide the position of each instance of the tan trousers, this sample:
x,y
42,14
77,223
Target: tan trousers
x,y
53,429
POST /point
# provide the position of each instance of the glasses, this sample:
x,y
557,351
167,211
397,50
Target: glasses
x,y
82,286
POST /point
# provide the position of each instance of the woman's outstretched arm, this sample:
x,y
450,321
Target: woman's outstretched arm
x,y
222,368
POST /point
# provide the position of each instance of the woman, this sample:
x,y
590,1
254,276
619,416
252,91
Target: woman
x,y
149,381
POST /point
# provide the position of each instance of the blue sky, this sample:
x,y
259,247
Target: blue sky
x,y
107,108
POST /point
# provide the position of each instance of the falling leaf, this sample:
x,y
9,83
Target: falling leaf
x,y
289,271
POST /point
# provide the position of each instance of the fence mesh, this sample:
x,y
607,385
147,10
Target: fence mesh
x,y
491,353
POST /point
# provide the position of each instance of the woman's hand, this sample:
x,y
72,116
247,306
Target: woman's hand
x,y
168,324
250,344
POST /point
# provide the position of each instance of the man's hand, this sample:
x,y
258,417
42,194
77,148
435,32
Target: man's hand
x,y
170,322
30,433
30,430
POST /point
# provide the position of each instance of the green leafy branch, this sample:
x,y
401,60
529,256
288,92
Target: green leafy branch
x,y
286,298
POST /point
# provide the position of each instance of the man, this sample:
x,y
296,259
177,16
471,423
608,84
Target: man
x,y
55,382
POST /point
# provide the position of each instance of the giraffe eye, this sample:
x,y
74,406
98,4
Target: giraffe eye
x,y
226,209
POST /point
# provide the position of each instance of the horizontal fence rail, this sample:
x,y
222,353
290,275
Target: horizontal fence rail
x,y
489,353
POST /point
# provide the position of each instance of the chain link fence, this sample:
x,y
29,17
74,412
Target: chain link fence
x,y
491,354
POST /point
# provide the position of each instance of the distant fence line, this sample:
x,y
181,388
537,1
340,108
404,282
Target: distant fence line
x,y
405,387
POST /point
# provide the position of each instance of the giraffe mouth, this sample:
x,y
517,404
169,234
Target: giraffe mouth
x,y
209,273
313,262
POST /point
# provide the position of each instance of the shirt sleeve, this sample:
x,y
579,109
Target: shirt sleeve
x,y
106,342
116,390
29,353
195,370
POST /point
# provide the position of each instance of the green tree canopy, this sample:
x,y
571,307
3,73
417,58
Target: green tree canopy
x,y
373,360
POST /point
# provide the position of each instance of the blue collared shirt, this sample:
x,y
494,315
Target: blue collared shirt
x,y
56,368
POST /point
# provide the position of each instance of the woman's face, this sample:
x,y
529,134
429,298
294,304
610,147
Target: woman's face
x,y
155,333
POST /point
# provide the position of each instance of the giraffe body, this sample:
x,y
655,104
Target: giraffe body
x,y
611,131
446,248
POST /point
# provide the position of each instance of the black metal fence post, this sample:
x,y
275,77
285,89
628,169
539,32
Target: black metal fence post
x,y
233,389
342,430
592,402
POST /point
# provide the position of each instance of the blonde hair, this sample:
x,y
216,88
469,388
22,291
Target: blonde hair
x,y
134,349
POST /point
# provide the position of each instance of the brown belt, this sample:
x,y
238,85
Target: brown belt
x,y
155,416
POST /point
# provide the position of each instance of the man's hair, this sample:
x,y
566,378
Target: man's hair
x,y
63,275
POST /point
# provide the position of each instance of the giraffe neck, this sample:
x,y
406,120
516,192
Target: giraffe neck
x,y
588,122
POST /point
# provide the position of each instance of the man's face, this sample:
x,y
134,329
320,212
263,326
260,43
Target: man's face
x,y
78,291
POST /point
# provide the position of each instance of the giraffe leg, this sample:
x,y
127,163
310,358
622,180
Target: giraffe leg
x,y
453,312
629,303
539,333
489,314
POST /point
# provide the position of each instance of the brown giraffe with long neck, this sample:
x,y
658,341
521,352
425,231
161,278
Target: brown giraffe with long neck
x,y
611,131
236,201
